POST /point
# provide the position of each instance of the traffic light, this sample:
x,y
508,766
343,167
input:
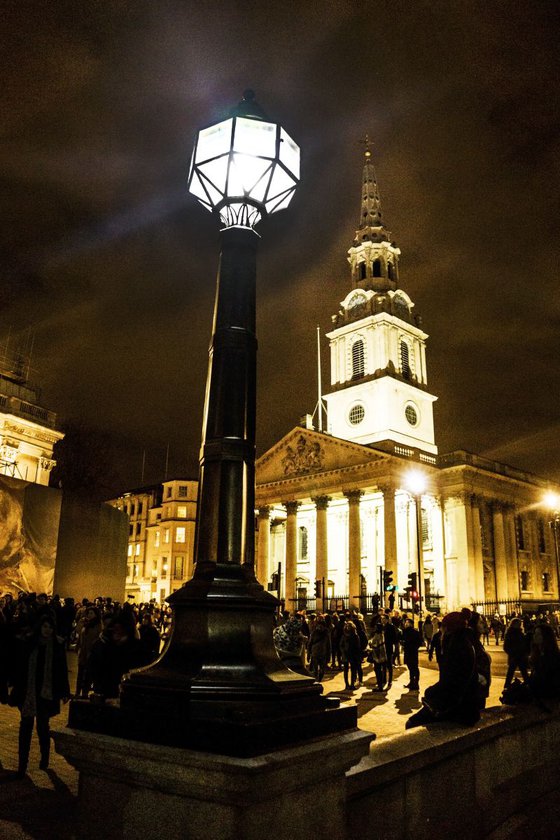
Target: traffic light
x,y
387,580
413,581
318,587
273,585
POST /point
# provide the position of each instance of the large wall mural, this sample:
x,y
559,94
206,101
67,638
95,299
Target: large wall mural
x,y
29,522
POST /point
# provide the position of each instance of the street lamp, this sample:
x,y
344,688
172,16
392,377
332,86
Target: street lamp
x,y
552,502
416,485
219,684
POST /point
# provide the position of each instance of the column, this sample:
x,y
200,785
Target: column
x,y
514,578
321,545
390,531
262,571
354,547
476,566
500,557
535,559
291,554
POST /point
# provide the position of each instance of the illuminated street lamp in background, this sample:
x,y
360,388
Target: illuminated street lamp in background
x,y
416,486
552,503
219,684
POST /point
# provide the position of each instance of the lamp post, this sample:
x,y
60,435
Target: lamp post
x,y
416,485
552,502
219,684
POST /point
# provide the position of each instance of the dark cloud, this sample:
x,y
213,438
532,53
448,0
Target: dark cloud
x,y
113,265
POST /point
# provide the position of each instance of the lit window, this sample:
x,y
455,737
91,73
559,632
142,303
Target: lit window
x,y
164,567
426,530
137,551
358,359
180,534
166,535
303,543
156,539
181,511
357,414
130,551
179,566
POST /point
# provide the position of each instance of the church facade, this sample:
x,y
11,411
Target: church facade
x,y
370,502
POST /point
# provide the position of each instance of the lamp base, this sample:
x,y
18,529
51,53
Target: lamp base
x,y
219,684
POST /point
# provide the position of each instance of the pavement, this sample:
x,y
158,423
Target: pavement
x,y
43,805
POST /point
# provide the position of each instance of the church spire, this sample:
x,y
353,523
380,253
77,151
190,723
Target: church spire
x,y
370,215
373,257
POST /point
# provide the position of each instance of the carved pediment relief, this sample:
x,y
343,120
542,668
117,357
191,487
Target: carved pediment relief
x,y
306,452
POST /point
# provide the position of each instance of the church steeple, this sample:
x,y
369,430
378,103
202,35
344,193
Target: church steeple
x,y
370,214
379,380
373,257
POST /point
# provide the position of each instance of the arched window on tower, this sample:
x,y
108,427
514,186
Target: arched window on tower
x,y
377,268
405,360
362,271
358,359
390,271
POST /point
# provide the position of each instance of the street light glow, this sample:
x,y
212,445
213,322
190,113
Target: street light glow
x,y
552,501
416,482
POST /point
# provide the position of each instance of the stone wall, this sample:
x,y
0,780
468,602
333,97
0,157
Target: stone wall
x,y
499,781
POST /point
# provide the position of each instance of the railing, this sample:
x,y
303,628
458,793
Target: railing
x,y
16,406
503,607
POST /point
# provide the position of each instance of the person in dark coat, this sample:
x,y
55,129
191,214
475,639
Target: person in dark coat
x,y
411,642
351,653
150,639
517,649
114,654
483,661
89,634
40,685
319,649
391,642
435,647
545,664
455,695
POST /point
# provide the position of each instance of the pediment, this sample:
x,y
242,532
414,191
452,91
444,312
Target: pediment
x,y
307,452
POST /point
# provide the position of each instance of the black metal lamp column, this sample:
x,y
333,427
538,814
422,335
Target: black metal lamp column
x,y
219,684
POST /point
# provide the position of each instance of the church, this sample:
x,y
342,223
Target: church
x,y
367,508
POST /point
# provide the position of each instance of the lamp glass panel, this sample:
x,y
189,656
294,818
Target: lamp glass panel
x,y
215,195
213,141
254,137
196,188
259,191
275,205
244,173
216,172
281,182
289,153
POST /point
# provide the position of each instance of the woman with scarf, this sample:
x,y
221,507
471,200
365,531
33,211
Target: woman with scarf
x,y
40,683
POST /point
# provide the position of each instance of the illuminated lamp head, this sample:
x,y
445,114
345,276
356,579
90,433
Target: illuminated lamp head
x,y
245,167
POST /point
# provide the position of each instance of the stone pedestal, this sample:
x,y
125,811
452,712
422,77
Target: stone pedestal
x,y
130,789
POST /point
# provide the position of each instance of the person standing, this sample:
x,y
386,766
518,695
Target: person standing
x,y
411,642
89,634
351,654
319,648
517,649
378,655
391,642
40,684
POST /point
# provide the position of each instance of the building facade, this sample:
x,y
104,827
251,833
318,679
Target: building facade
x,y
162,521
28,431
371,495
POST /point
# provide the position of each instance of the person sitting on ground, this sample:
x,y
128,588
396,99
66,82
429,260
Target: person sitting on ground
x,y
544,680
455,695
483,660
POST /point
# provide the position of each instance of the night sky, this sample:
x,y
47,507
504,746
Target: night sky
x,y
111,265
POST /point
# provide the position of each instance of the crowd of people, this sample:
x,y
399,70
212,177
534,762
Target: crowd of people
x,y
111,638
341,641
35,633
